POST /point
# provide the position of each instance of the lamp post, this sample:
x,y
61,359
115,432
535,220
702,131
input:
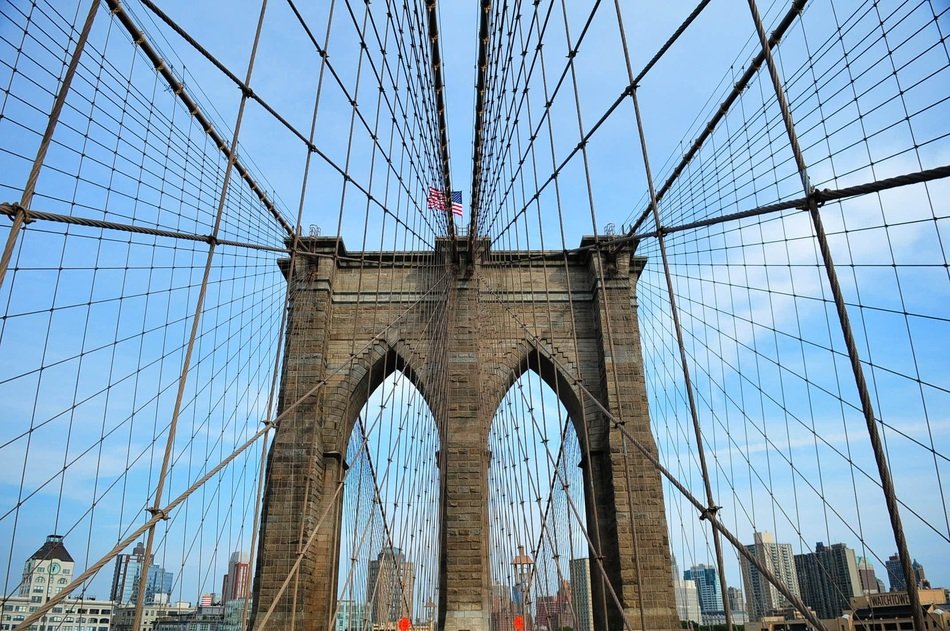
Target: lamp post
x,y
523,566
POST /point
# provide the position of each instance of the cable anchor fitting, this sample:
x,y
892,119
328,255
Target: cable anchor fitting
x,y
818,197
709,513
161,513
15,210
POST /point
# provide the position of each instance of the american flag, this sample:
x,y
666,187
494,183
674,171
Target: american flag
x,y
437,200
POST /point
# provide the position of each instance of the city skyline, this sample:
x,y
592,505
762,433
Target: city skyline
x,y
824,578
127,574
390,586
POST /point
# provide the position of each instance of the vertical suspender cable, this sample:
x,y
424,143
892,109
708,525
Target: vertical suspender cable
x,y
156,509
22,212
887,483
711,507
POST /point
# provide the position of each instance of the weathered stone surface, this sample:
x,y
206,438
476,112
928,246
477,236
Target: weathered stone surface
x,y
463,333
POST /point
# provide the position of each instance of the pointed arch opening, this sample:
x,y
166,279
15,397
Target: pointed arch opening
x,y
538,510
382,361
388,522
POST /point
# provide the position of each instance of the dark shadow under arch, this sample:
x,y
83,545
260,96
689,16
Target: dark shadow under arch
x,y
384,359
536,360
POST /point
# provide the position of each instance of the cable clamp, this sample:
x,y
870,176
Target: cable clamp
x,y
709,513
161,513
14,210
819,197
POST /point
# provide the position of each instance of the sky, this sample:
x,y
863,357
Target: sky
x,y
774,390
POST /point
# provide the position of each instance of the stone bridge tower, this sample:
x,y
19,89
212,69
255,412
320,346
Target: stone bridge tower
x,y
353,323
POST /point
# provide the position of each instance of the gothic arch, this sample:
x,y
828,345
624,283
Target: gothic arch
x,y
531,357
373,367
464,350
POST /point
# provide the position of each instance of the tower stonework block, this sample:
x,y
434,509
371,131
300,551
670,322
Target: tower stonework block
x,y
463,331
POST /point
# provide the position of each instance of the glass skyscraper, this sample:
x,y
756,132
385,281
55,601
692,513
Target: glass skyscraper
x,y
128,570
707,585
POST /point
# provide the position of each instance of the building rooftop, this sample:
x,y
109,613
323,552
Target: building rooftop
x,y
52,549
522,558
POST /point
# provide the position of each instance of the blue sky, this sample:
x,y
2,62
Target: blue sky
x,y
762,336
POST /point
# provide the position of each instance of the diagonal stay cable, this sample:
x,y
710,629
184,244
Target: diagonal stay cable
x,y
178,89
161,513
704,513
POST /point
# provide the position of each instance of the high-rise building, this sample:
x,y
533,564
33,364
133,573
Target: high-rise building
x,y
235,613
708,587
351,616
761,595
895,574
45,574
867,576
47,571
920,575
126,574
235,581
828,579
556,612
736,601
581,595
158,584
389,584
128,570
686,597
